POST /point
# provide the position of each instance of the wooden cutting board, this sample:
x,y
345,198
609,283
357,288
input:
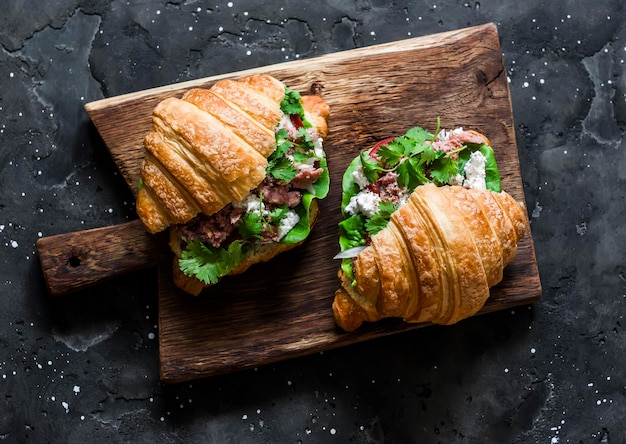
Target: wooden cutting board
x,y
282,309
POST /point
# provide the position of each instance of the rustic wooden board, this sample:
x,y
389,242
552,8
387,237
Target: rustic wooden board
x,y
282,309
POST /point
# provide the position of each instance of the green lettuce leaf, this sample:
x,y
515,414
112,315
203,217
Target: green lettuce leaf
x,y
492,175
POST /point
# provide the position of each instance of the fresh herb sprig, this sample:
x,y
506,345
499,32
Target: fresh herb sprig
x,y
254,223
208,263
278,164
412,157
292,105
380,219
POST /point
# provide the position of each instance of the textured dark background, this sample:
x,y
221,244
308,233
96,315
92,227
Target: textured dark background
x,y
85,368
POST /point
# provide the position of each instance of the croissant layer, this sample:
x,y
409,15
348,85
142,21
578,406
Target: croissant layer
x,y
436,259
207,149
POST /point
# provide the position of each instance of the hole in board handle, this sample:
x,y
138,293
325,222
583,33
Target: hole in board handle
x,y
74,261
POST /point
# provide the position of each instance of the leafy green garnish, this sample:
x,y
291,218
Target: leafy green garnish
x,y
278,213
292,104
278,165
209,264
352,232
282,169
380,219
251,225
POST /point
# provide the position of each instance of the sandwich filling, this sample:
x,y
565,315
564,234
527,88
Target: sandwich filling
x,y
277,210
381,179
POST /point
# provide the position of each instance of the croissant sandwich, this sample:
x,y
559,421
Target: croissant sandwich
x,y
233,171
426,230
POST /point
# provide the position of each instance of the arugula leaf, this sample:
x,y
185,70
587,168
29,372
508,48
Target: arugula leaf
x,y
380,219
209,264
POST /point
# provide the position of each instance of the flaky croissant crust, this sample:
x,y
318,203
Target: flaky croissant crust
x,y
207,149
436,259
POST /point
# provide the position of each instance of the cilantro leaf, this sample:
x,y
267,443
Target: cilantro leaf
x,y
282,169
209,264
428,155
277,214
443,169
291,103
251,225
391,153
380,219
418,135
306,142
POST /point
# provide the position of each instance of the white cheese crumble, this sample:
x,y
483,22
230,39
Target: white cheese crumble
x,y
364,202
287,223
475,171
445,135
251,203
359,178
457,179
318,147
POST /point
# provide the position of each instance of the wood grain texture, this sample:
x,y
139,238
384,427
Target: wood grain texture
x,y
74,261
282,309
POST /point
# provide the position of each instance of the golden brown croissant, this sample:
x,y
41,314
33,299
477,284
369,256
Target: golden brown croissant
x,y
436,259
234,172
207,149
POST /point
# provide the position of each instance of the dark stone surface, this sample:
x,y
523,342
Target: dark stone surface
x,y
85,368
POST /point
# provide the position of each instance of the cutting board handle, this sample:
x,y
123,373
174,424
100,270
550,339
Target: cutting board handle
x,y
78,260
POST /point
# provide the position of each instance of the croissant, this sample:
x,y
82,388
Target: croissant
x,y
436,259
207,149
220,170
